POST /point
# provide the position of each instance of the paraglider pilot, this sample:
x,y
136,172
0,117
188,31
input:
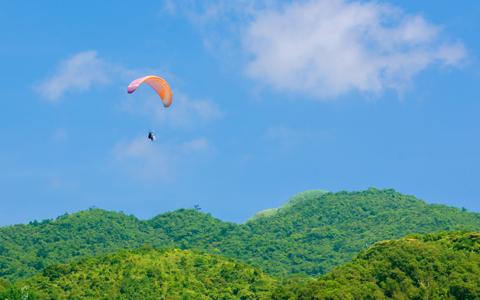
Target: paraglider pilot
x,y
151,136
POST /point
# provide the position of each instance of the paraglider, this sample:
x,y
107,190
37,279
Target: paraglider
x,y
160,86
151,136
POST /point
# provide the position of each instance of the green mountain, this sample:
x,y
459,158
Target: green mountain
x,y
432,266
311,234
146,274
323,230
25,249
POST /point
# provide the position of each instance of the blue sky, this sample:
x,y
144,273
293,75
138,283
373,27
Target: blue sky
x,y
270,99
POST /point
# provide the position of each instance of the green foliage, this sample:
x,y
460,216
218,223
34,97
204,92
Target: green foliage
x,y
148,274
25,249
191,229
294,200
433,266
311,234
319,231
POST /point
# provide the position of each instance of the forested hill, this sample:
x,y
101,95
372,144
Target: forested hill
x,y
145,274
322,230
311,234
432,266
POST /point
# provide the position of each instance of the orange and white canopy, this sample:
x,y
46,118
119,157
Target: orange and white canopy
x,y
158,84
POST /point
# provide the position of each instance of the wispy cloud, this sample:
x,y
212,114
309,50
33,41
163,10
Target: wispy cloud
x,y
185,112
157,161
79,72
220,23
82,72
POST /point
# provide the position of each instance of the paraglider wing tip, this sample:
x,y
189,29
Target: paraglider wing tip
x,y
130,90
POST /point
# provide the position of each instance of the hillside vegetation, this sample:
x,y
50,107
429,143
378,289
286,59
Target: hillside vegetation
x,y
431,266
325,230
146,274
313,233
25,249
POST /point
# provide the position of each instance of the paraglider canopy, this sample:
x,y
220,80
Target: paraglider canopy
x,y
159,84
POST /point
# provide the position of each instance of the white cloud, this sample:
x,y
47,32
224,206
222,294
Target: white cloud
x,y
321,48
158,160
326,48
79,72
184,113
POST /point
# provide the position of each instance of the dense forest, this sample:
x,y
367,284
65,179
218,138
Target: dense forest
x,y
431,266
314,232
146,274
318,245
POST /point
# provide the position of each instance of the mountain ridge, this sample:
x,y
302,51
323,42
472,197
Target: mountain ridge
x,y
310,236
